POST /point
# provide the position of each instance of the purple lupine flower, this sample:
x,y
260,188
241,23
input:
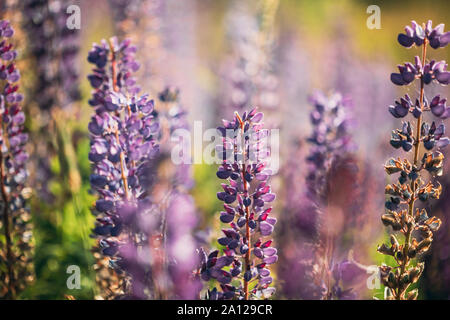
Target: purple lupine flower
x,y
55,48
427,72
16,233
403,213
123,144
416,35
137,18
127,14
247,197
174,117
434,70
121,80
181,246
316,216
150,23
330,137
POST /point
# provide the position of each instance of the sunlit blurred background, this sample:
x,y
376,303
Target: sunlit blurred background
x,y
287,49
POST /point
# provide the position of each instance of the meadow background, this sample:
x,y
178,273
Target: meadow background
x,y
323,45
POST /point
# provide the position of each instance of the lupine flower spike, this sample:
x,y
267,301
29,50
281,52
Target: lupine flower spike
x,y
55,91
331,150
330,139
242,270
402,211
58,85
123,131
249,76
313,223
16,233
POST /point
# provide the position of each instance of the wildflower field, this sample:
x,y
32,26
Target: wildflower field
x,y
224,150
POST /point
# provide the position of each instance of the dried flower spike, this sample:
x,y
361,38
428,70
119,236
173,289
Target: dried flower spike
x,y
402,212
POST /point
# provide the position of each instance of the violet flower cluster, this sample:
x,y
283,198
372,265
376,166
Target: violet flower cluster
x,y
403,213
433,70
175,207
144,21
123,132
315,215
127,14
331,146
330,138
173,117
15,241
242,271
148,238
181,247
53,54
249,77
55,48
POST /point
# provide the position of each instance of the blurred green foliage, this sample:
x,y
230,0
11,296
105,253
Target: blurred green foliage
x,y
61,231
204,191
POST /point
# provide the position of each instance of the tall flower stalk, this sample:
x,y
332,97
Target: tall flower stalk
x,y
249,78
175,207
150,24
403,213
53,52
145,217
330,139
319,214
143,22
164,30
241,270
15,245
123,132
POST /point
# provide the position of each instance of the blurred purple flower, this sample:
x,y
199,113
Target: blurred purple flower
x,y
181,220
122,142
248,75
15,244
318,217
55,48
